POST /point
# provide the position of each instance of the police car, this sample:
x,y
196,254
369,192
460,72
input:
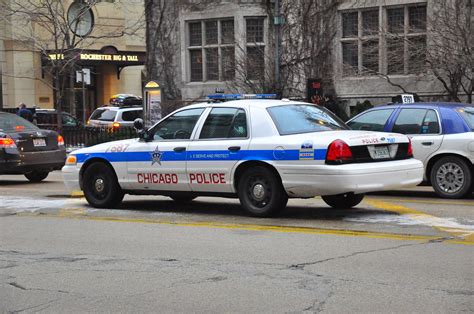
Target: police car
x,y
262,151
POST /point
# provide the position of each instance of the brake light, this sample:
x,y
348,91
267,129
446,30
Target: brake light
x,y
338,152
410,149
115,125
60,140
19,128
6,142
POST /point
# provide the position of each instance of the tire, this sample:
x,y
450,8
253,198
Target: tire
x,y
451,177
101,187
260,192
183,199
343,201
36,176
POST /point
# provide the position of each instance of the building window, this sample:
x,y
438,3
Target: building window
x,y
211,50
406,39
389,43
255,48
360,42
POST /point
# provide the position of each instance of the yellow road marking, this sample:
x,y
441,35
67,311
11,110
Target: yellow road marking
x,y
76,194
253,227
403,200
424,218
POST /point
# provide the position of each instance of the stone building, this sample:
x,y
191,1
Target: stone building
x,y
112,54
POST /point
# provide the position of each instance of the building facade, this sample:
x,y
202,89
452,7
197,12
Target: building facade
x,y
109,55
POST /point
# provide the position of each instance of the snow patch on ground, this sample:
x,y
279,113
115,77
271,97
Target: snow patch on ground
x,y
24,204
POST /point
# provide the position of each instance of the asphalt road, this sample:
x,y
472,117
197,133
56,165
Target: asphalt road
x,y
403,251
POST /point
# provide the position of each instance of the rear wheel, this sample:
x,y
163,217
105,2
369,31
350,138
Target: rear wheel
x,y
101,187
451,177
36,176
261,192
343,201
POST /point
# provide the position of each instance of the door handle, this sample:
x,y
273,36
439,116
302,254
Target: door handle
x,y
427,143
234,148
179,149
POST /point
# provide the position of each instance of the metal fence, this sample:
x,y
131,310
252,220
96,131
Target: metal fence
x,y
83,137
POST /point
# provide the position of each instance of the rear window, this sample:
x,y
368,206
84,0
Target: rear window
x,y
131,115
11,123
103,115
467,113
294,119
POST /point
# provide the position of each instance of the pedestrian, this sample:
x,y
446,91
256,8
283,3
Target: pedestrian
x,y
331,104
24,112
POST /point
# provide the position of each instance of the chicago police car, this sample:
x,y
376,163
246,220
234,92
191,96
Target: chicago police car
x,y
263,151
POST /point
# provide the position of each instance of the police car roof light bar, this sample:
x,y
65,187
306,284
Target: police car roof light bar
x,y
240,96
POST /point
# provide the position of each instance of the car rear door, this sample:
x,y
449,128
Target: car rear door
x,y
422,125
220,143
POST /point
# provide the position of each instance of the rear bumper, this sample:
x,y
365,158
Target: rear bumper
x,y
356,178
34,161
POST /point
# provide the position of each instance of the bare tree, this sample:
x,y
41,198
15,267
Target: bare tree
x,y
162,43
46,27
307,33
450,55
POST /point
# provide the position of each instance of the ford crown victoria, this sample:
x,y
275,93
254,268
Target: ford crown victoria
x,y
442,135
261,151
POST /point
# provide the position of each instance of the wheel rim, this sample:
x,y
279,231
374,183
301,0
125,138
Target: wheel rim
x,y
259,191
450,177
99,187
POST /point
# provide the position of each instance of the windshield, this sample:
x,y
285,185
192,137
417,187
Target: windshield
x,y
103,115
12,123
294,119
468,115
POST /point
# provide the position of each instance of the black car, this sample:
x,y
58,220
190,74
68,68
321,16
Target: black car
x,y
48,119
28,150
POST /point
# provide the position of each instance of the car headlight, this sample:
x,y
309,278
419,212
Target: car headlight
x,y
71,160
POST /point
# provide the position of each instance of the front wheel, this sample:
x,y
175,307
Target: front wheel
x,y
451,177
343,201
261,192
36,176
101,187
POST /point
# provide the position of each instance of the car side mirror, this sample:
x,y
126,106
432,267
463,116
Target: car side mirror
x,y
140,127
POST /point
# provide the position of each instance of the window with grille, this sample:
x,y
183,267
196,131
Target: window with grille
x,y
211,50
384,40
255,48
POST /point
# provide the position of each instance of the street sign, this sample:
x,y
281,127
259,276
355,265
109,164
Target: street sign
x,y
152,103
408,98
84,76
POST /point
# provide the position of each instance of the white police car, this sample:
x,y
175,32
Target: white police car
x,y
263,151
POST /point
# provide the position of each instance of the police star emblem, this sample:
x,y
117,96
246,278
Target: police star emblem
x,y
156,156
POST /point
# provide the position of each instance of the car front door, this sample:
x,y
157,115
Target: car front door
x,y
221,143
423,127
160,162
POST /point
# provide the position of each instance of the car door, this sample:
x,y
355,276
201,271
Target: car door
x,y
423,127
221,142
160,162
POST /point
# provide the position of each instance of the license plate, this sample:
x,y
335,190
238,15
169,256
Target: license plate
x,y
39,142
381,152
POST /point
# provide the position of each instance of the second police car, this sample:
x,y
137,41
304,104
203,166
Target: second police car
x,y
262,151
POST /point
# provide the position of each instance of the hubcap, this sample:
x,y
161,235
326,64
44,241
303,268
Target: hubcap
x,y
258,192
450,177
99,185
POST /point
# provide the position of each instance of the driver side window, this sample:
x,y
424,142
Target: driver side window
x,y
178,126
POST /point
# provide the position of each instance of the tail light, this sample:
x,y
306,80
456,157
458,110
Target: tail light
x,y
115,125
6,142
60,140
338,152
410,149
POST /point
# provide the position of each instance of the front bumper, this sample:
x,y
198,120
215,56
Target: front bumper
x,y
309,181
71,178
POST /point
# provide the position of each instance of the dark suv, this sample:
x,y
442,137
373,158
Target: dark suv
x,y
48,119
